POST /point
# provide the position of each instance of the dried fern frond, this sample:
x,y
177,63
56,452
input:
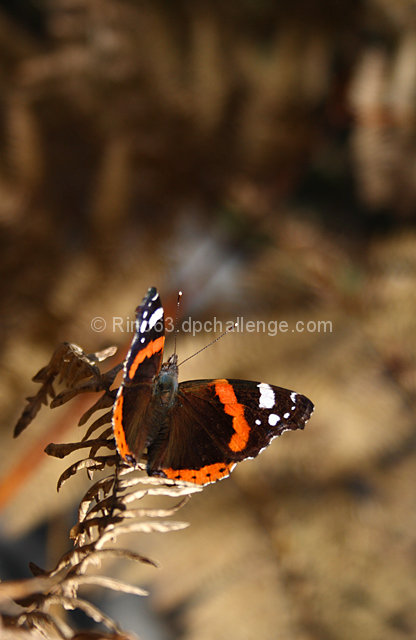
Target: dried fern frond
x,y
109,509
76,369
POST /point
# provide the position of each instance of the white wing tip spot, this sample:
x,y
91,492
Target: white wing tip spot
x,y
267,399
156,315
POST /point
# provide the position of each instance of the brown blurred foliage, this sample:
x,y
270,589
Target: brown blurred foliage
x,y
260,156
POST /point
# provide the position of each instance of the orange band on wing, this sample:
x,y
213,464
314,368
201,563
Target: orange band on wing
x,y
232,407
119,434
204,475
153,347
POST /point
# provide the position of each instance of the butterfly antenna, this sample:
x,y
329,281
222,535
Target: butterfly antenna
x,y
210,343
178,303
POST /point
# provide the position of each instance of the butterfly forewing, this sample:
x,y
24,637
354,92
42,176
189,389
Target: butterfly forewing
x,y
142,364
144,358
220,422
268,411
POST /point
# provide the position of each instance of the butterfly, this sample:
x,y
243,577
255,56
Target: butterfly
x,y
197,430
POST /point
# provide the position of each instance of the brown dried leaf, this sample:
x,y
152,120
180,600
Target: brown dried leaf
x,y
105,401
155,513
182,489
108,377
99,356
87,526
95,556
49,626
35,570
8,607
33,407
20,589
106,506
111,533
94,635
72,365
90,610
95,383
97,464
164,485
76,561
103,581
71,559
64,449
89,386
106,439
132,497
9,631
105,419
104,485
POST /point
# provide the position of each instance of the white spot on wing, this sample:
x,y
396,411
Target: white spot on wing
x,y
145,313
286,415
267,399
155,317
143,326
293,396
258,422
273,419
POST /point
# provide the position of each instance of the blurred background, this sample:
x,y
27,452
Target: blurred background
x,y
260,156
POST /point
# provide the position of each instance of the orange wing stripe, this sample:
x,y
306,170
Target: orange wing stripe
x,y
153,347
204,475
232,407
119,435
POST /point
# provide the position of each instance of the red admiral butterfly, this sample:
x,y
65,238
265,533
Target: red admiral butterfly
x,y
195,430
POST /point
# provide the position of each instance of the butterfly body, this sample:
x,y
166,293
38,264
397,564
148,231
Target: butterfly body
x,y
196,430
